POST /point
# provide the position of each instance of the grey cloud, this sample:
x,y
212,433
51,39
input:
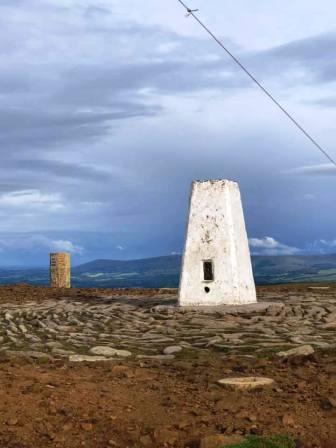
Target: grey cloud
x,y
11,3
329,102
161,76
75,90
65,101
68,101
94,11
12,83
311,49
193,65
6,187
29,128
308,59
59,169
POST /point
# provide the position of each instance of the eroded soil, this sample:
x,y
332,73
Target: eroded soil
x,y
150,399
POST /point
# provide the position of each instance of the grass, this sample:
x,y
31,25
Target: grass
x,y
266,442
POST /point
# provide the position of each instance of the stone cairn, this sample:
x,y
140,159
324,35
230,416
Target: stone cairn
x,y
60,270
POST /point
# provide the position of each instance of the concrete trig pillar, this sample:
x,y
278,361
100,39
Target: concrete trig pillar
x,y
216,266
60,276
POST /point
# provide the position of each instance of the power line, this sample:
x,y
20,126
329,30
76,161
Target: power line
x,y
191,12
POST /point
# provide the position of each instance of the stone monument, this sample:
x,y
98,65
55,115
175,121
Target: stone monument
x,y
216,265
60,270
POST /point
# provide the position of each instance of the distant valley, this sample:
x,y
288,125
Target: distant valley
x,y
164,271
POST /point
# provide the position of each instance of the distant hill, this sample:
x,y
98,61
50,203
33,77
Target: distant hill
x,y
154,264
164,272
32,276
148,272
286,269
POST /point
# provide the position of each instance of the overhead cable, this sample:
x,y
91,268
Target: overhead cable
x,y
192,13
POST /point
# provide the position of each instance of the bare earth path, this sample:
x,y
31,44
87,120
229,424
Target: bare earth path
x,y
153,371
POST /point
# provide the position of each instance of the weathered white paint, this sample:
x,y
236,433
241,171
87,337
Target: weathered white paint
x,y
216,231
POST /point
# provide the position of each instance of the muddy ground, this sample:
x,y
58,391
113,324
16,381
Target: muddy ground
x,y
149,399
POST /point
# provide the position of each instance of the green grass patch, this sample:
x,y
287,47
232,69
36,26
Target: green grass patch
x,y
266,442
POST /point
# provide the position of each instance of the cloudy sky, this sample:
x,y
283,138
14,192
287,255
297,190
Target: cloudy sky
x,y
109,109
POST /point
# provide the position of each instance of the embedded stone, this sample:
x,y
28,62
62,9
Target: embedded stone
x,y
171,350
246,383
109,351
85,358
303,351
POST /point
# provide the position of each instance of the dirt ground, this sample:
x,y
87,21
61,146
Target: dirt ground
x,y
160,403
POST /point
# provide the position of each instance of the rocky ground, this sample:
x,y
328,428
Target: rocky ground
x,y
101,368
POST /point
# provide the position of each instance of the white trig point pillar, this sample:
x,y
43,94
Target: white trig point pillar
x,y
60,275
216,266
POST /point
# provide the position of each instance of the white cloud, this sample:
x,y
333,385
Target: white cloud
x,y
31,199
325,169
38,242
331,243
309,197
120,248
66,246
270,246
323,246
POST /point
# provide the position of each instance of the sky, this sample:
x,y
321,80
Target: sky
x,y
110,108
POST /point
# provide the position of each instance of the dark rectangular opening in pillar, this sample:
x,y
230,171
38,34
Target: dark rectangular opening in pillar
x,y
208,273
